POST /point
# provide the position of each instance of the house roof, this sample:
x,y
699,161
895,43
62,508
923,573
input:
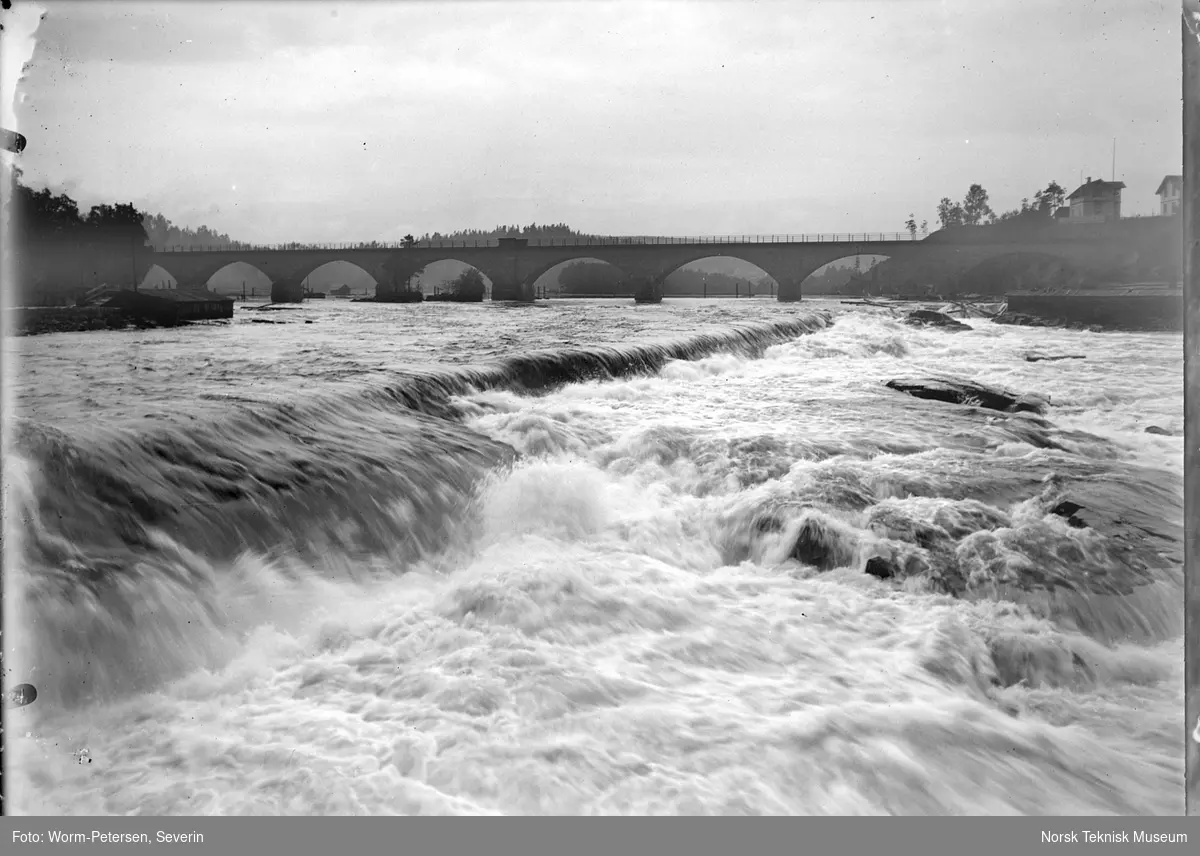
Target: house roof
x,y
1177,179
187,295
170,295
1096,187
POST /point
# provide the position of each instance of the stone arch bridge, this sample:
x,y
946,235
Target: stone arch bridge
x,y
513,265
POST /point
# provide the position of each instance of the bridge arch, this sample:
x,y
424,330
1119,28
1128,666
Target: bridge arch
x,y
716,274
582,276
157,277
847,274
228,278
325,274
437,276
429,276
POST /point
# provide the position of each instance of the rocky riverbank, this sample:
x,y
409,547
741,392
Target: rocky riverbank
x,y
67,319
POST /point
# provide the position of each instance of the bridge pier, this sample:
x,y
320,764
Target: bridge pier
x,y
511,289
391,287
646,290
287,291
789,290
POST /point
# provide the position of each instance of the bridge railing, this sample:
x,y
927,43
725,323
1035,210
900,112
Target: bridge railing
x,y
578,241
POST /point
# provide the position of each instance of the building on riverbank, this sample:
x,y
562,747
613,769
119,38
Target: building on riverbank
x,y
1096,201
1170,195
168,307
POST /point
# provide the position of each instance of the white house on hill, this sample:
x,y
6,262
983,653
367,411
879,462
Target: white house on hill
x,y
1096,201
1170,195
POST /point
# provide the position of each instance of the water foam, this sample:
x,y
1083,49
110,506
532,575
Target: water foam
x,y
658,605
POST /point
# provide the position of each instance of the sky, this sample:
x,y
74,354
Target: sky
x,y
275,121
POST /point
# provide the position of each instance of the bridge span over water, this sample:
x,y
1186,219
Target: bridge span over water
x,y
513,265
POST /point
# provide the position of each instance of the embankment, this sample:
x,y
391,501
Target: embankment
x,y
65,319
1111,311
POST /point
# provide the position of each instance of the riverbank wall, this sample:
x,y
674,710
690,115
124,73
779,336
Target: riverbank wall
x,y
31,321
1159,310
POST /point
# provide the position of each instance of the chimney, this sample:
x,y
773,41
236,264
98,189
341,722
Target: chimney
x,y
1089,181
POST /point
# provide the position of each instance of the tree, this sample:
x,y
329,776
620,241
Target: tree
x,y
975,205
163,233
58,252
950,214
1045,203
1051,199
468,285
925,227
911,225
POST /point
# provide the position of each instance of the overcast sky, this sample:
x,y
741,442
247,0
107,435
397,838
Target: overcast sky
x,y
360,121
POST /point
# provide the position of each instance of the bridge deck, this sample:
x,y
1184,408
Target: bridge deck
x,y
597,241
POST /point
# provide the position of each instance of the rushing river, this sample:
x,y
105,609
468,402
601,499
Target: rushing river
x,y
590,557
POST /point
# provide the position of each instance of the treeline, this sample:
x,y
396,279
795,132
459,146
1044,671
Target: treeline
x,y
38,216
834,277
975,210
689,281
163,234
533,230
59,251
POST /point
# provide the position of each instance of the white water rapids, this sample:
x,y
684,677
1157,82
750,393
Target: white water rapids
x,y
615,621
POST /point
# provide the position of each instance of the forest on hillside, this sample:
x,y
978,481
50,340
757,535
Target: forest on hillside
x,y
38,216
533,231
164,234
59,250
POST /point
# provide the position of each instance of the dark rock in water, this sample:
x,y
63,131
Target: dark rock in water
x,y
811,549
1020,319
936,561
1066,509
816,545
1138,536
957,391
1037,358
930,318
1154,429
896,567
881,568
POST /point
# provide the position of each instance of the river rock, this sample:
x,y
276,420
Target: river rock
x,y
1037,358
812,548
881,568
1137,537
1066,510
960,391
1020,319
820,546
930,318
